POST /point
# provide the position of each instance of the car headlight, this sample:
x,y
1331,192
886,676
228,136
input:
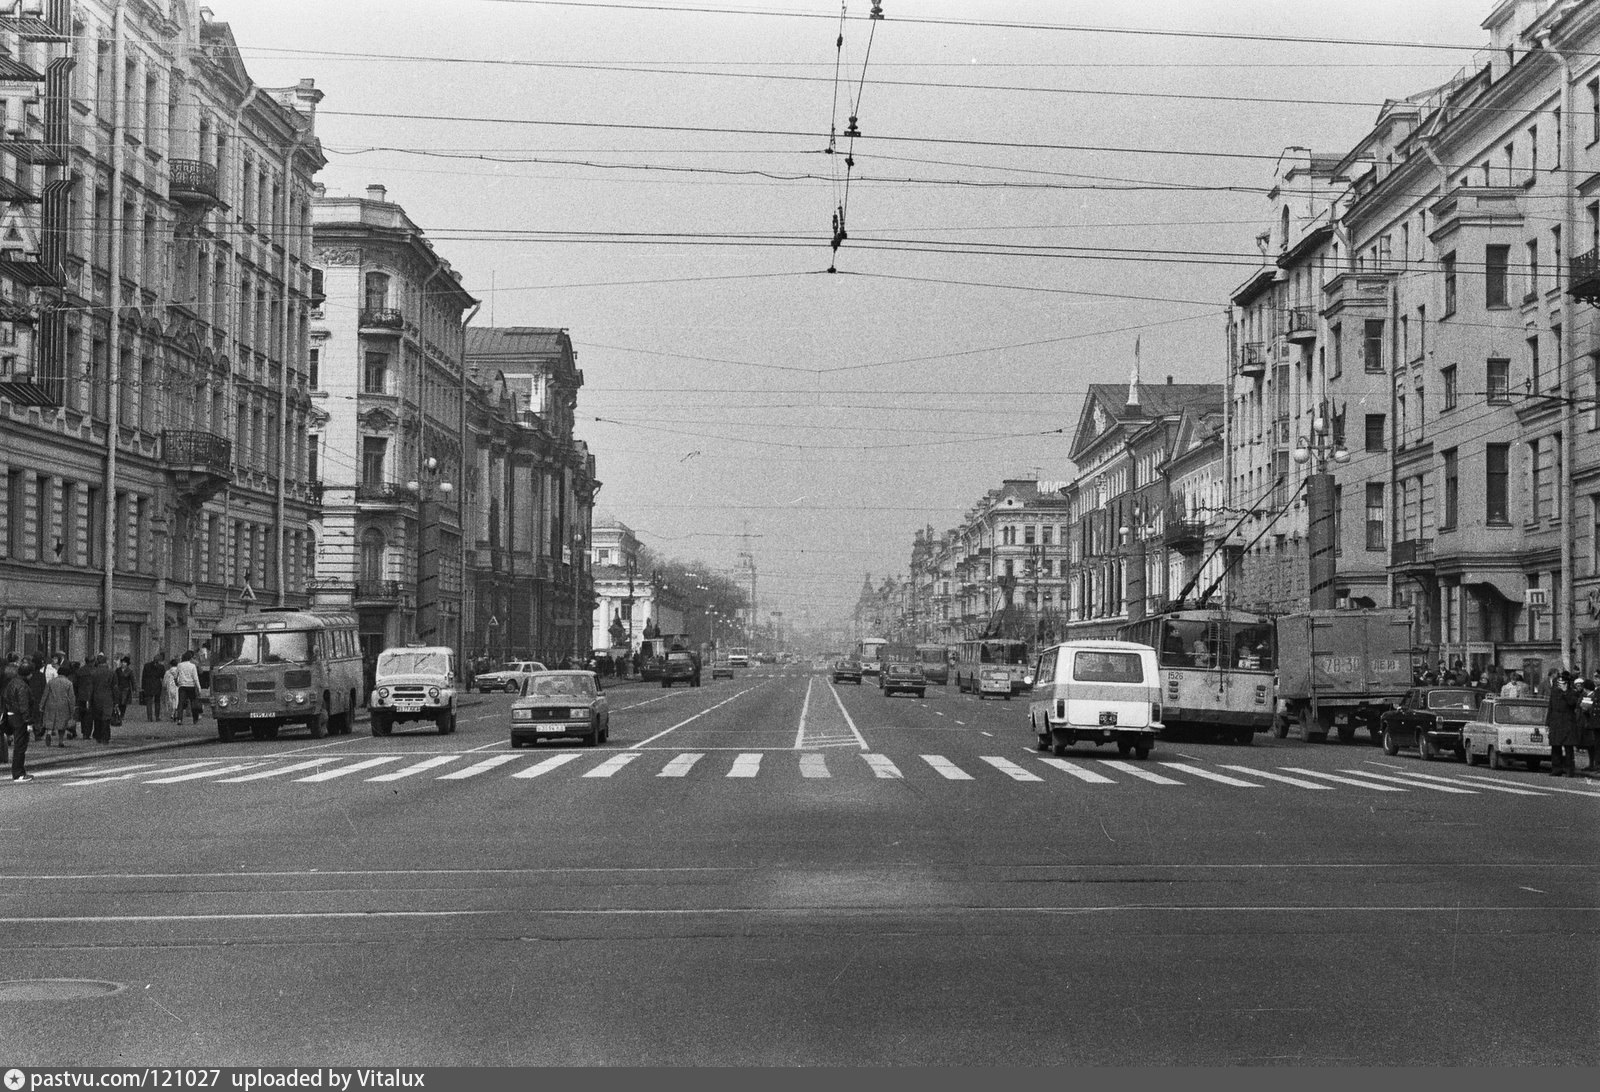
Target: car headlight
x,y
300,697
578,714
222,701
433,693
383,693
522,714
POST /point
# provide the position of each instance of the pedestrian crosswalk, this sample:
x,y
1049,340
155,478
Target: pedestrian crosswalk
x,y
1024,768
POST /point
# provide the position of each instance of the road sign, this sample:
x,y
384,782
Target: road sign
x,y
247,596
494,622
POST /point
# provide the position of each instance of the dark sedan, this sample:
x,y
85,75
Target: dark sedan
x,y
560,705
1430,718
847,671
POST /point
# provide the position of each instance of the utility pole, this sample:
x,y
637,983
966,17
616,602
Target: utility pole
x,y
1321,512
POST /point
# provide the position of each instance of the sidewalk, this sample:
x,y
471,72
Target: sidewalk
x,y
138,736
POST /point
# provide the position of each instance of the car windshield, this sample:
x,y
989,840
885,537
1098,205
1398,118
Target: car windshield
x,y
274,647
1518,714
413,662
579,687
1453,699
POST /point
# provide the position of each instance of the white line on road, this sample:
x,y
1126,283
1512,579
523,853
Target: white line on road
x,y
805,707
416,768
746,765
308,764
814,765
882,765
485,747
1410,783
168,770
1545,788
1198,771
946,768
696,717
1009,768
96,773
1078,771
195,776
476,768
1130,768
611,765
346,771
847,718
544,766
1278,777
680,766
1457,781
1341,780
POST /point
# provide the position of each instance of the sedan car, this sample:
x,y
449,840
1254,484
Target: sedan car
x,y
560,705
721,668
847,670
1429,718
1507,728
509,677
900,675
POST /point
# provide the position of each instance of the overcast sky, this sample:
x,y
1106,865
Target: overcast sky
x,y
677,223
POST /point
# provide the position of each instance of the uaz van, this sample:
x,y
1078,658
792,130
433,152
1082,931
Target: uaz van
x,y
1096,692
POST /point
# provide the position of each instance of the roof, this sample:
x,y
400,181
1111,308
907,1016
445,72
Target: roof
x,y
515,340
1158,399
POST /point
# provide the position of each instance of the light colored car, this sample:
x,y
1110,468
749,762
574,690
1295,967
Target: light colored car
x,y
560,705
1507,728
721,668
1096,692
417,682
994,680
509,677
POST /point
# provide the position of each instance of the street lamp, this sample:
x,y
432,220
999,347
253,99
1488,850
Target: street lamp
x,y
1322,514
425,486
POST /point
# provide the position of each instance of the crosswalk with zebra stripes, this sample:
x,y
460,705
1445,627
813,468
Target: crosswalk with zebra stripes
x,y
806,765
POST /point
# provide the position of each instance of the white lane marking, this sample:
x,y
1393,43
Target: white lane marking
x,y
847,718
235,768
1411,784
1078,771
1130,768
1277,777
1198,771
962,723
416,768
937,713
476,768
692,719
1546,788
546,765
989,734
680,766
946,768
168,770
1009,768
882,766
611,765
308,764
1491,787
805,707
814,765
746,765
484,747
79,772
346,771
1341,780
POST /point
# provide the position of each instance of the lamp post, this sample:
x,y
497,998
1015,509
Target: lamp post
x,y
1321,511
426,625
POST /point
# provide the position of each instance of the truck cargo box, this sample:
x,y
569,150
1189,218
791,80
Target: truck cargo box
x,y
1337,655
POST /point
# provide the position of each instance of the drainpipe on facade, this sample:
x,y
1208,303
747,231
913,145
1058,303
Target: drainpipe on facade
x,y
469,596
282,212
1566,621
1228,369
108,536
233,367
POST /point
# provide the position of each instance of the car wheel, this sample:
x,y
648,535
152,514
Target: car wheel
x,y
446,723
1060,749
224,732
1472,757
516,744
510,686
381,725
1495,761
1391,746
1124,747
605,733
1347,733
1424,748
1141,750
593,738
319,723
1280,727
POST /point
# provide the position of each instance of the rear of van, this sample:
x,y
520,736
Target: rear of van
x,y
1096,692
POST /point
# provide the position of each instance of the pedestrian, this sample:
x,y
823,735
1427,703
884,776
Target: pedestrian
x,y
169,689
202,664
150,687
1588,714
188,688
58,709
80,687
15,708
54,666
123,678
36,685
69,671
102,701
1561,720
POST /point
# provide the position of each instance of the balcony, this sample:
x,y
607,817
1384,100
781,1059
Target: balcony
x,y
389,494
1583,284
36,28
193,182
382,320
1253,359
1477,206
24,268
1362,292
1183,533
1301,324
1413,556
378,591
200,463
40,153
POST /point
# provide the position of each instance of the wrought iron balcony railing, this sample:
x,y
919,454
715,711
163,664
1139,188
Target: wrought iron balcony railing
x,y
377,591
385,493
186,449
382,318
190,178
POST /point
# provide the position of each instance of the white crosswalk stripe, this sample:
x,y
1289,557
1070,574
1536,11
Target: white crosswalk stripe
x,y
1130,768
416,767
544,766
611,765
1489,786
1010,769
75,771
746,765
1411,784
883,766
1544,788
813,765
308,764
1341,780
680,766
477,768
346,771
1300,782
1079,772
1198,771
946,768
213,762
197,775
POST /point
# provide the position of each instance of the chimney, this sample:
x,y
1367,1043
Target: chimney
x,y
377,193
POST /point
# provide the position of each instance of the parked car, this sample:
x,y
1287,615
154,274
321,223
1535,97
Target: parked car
x,y
560,705
847,670
1507,728
1429,718
721,668
902,675
414,683
680,665
509,677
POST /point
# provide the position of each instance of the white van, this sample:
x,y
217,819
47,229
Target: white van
x,y
1096,692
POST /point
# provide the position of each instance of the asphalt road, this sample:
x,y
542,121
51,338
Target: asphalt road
x,y
772,870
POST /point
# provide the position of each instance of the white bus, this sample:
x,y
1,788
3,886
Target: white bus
x,y
867,654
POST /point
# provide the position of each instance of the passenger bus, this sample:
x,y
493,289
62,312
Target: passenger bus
x,y
282,666
1217,669
867,653
935,661
973,656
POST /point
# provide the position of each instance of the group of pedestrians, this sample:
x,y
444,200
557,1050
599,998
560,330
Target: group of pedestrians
x,y
1573,721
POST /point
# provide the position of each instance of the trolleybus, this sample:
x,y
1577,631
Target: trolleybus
x,y
975,655
1217,669
281,666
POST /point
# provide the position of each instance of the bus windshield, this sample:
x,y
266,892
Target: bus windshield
x,y
252,649
1003,652
1200,643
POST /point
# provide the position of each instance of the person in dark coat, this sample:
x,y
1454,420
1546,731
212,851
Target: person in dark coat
x,y
122,677
80,687
1561,719
1589,722
102,689
16,706
150,686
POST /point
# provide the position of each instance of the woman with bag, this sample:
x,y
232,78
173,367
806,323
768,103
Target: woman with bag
x,y
169,688
56,711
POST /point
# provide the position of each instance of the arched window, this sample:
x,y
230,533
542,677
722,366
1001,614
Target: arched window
x,y
372,544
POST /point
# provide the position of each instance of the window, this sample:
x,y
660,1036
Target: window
x,y
1533,270
1375,536
1451,491
375,374
372,453
1375,432
314,366
1508,156
1372,345
1533,152
1533,361
1447,376
1555,255
16,513
1422,331
1497,380
1555,373
377,291
1594,535
1594,110
1496,483
1045,535
1028,533
1338,351
1495,261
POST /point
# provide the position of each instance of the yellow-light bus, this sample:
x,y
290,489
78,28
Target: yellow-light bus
x,y
282,666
